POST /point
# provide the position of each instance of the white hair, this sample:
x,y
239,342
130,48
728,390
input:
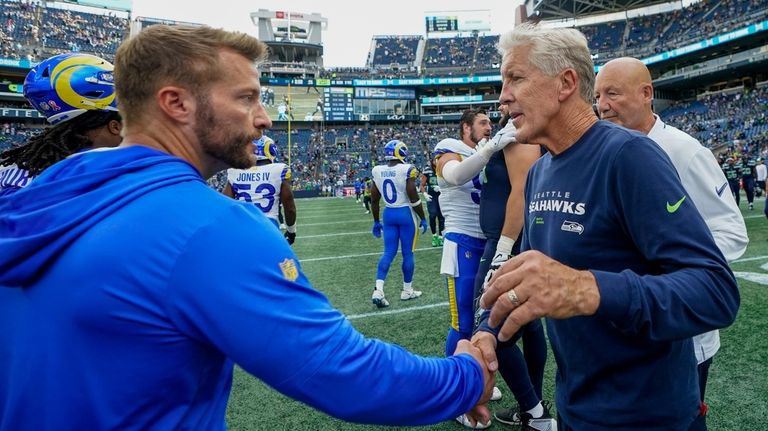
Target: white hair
x,y
554,50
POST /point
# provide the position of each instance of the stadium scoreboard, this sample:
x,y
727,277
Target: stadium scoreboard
x,y
458,21
441,23
338,104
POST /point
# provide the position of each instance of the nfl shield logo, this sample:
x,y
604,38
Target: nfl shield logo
x,y
290,272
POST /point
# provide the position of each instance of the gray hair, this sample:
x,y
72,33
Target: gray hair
x,y
554,50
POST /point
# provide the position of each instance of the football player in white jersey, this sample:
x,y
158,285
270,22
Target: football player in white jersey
x,y
396,182
75,92
458,164
267,185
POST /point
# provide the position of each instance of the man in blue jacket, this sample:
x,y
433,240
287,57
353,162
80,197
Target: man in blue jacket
x,y
616,256
116,311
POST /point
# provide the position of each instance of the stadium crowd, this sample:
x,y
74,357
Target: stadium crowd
x,y
31,30
321,157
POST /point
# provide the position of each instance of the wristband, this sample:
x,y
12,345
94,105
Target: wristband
x,y
504,246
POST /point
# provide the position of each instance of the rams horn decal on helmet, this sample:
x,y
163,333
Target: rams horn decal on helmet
x,y
67,85
395,150
265,148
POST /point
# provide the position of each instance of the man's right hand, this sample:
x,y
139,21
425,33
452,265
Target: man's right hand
x,y
532,285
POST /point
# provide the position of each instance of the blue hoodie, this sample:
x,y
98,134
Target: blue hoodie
x,y
128,289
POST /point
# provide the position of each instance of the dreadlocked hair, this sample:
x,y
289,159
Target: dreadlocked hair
x,y
57,142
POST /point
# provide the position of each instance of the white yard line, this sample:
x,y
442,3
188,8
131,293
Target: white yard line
x,y
317,259
335,234
397,311
304,217
334,211
335,222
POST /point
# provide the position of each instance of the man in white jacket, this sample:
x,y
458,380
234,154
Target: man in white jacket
x,y
624,94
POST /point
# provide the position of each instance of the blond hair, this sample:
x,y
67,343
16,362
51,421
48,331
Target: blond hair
x,y
185,56
554,50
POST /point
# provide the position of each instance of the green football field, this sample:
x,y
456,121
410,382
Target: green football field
x,y
339,256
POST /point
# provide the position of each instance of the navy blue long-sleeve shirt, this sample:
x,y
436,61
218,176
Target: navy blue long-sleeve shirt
x,y
612,204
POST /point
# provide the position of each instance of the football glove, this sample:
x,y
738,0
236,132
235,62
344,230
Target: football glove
x,y
502,138
423,225
290,237
503,254
427,197
290,233
496,263
376,230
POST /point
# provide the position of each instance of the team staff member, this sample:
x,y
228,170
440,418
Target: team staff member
x,y
624,93
615,254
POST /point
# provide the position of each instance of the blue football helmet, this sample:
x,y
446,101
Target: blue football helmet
x,y
67,85
395,150
265,148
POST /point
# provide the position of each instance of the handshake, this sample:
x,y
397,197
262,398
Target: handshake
x,y
482,348
526,287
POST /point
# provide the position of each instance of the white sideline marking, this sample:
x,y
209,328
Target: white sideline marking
x,y
336,222
336,234
398,311
336,210
316,259
754,216
755,277
750,259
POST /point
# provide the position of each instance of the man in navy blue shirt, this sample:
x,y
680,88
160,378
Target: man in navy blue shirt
x,y
615,254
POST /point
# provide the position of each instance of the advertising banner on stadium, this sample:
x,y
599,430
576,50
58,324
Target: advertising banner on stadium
x,y
389,117
385,93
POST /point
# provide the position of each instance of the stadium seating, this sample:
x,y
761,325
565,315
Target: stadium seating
x,y
450,52
487,57
399,50
32,31
735,119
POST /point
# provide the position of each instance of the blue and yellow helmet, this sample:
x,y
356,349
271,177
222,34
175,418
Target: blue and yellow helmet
x,y
67,85
395,150
265,148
